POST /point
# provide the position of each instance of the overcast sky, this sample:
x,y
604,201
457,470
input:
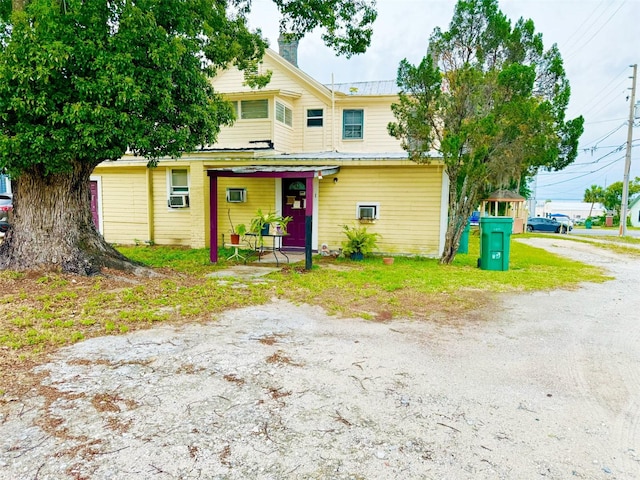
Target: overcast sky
x,y
598,40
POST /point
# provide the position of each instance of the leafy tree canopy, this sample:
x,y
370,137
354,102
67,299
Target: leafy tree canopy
x,y
85,81
488,100
611,196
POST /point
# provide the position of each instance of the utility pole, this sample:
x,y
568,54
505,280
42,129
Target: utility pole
x,y
627,161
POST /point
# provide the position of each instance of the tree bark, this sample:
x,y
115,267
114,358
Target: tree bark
x,y
461,205
54,230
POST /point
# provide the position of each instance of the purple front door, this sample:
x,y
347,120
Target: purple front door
x,y
294,197
93,185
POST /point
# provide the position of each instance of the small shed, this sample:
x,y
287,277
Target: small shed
x,y
509,204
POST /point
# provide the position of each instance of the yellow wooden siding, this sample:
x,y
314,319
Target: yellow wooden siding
x,y
376,138
199,205
409,201
124,205
244,131
232,80
172,226
260,195
283,134
312,139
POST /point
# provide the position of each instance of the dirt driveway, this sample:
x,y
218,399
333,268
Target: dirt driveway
x,y
546,385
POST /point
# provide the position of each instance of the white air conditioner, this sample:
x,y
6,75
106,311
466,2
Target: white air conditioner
x,y
178,201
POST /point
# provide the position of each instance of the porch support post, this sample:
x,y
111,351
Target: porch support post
x,y
308,224
213,218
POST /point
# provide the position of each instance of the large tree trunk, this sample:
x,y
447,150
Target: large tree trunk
x,y
461,205
52,227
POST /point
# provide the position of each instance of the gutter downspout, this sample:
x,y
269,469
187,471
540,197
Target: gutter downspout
x,y
333,117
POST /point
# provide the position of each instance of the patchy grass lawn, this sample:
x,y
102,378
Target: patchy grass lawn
x,y
42,312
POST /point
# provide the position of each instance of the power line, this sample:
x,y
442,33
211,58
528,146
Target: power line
x,y
584,175
581,44
607,135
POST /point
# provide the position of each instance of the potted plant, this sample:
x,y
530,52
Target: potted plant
x,y
359,242
236,231
262,221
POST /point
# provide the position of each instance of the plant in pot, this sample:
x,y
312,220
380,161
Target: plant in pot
x,y
262,221
359,242
237,231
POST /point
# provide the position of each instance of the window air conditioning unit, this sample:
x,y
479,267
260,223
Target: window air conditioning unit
x,y
236,195
367,213
178,201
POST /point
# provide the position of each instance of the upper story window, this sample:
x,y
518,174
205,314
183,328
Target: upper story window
x,y
284,114
250,109
352,124
314,117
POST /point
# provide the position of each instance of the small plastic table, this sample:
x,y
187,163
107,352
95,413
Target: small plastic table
x,y
236,254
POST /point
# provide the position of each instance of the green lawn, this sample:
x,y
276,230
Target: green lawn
x,y
40,313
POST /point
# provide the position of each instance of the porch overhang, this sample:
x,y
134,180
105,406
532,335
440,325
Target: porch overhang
x,y
308,172
274,171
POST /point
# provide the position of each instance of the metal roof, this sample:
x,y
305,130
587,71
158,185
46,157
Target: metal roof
x,y
505,196
335,156
325,169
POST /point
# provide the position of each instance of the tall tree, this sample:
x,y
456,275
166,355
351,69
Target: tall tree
x,y
490,102
592,195
612,195
82,82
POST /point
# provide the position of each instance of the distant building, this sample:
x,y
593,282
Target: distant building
x,y
575,210
634,212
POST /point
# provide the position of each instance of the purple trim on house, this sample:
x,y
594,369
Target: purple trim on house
x,y
308,173
263,174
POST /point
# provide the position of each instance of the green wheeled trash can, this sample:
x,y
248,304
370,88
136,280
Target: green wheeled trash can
x,y
495,239
464,239
587,223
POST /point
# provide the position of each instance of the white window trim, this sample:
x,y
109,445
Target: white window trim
x,y
170,186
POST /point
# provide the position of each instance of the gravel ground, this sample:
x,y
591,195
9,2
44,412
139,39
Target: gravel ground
x,y
545,385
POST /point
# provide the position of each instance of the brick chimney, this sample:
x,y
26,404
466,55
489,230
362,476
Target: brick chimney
x,y
288,49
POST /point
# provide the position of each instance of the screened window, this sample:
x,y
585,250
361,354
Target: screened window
x,y
250,109
314,117
352,124
284,114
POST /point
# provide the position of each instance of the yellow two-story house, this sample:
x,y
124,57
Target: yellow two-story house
x,y
318,153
